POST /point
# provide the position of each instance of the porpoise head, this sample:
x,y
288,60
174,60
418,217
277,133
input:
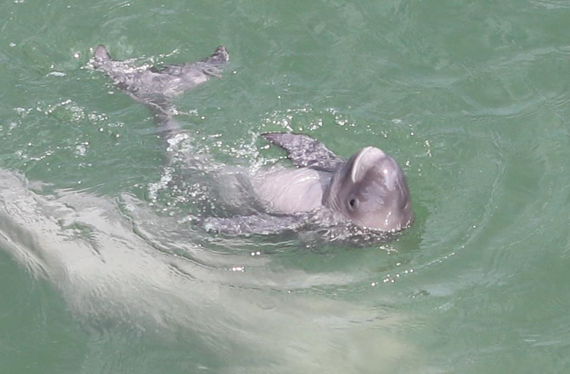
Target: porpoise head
x,y
371,190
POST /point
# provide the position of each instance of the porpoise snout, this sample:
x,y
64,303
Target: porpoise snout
x,y
374,192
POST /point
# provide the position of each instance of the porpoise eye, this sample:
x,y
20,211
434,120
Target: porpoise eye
x,y
352,203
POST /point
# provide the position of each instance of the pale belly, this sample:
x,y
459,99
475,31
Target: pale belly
x,y
292,190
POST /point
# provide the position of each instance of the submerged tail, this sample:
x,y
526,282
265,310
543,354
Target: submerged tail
x,y
156,87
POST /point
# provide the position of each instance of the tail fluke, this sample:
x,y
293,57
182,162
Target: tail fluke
x,y
155,88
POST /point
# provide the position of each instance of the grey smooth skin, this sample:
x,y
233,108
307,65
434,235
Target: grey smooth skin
x,y
369,190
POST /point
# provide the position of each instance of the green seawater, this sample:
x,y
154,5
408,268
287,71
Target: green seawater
x,y
101,273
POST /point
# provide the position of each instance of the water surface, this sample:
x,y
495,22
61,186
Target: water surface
x,y
103,273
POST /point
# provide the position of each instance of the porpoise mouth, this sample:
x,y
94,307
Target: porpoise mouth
x,y
367,156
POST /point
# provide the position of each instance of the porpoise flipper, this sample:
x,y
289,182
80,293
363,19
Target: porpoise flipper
x,y
101,55
219,57
305,151
263,224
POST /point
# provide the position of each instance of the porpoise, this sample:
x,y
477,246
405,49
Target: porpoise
x,y
369,190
